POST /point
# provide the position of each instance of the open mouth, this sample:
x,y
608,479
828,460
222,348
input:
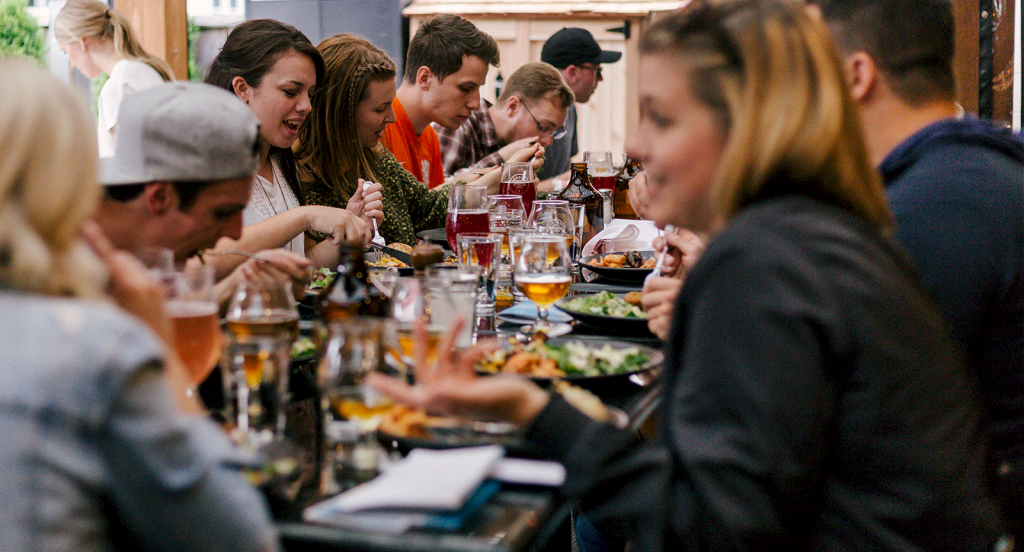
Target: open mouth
x,y
292,126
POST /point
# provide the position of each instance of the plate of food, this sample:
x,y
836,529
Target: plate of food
x,y
589,362
377,259
626,266
404,428
608,311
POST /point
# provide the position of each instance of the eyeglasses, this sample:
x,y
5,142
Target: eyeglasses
x,y
595,68
554,133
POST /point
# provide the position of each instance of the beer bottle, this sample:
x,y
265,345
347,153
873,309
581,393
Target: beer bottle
x,y
351,293
580,191
630,168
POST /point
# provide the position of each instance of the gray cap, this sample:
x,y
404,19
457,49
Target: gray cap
x,y
183,132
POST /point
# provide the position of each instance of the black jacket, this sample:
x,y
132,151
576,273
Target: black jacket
x,y
813,401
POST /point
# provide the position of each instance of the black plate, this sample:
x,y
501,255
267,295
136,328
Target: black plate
x,y
611,382
435,235
610,323
635,275
456,437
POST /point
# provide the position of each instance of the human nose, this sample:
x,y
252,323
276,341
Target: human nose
x,y
233,227
547,139
389,115
304,106
474,100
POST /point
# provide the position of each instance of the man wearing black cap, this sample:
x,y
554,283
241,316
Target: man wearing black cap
x,y
575,53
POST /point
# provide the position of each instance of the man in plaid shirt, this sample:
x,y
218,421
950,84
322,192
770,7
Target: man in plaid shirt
x,y
531,109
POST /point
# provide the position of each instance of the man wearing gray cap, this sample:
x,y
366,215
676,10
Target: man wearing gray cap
x,y
575,53
186,155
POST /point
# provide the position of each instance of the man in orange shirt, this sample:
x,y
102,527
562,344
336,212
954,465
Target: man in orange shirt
x,y
445,67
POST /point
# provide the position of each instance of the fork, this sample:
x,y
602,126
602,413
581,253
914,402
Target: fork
x,y
656,272
377,238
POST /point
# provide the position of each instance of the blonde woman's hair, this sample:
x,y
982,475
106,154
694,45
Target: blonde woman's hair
x,y
769,71
328,148
81,18
47,184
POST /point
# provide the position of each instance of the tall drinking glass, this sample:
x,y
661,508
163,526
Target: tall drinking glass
x,y
482,250
467,212
601,169
260,326
412,302
517,178
543,273
507,213
458,284
192,308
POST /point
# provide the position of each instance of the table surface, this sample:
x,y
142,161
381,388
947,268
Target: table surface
x,y
517,517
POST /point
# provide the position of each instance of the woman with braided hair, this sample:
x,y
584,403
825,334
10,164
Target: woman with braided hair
x,y
338,147
99,40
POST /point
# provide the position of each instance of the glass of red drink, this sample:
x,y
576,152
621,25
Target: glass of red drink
x,y
482,250
518,179
467,212
599,166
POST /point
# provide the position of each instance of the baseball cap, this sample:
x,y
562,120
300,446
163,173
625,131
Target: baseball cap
x,y
183,132
575,46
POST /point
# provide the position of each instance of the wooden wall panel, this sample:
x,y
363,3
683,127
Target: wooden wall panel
x,y
162,26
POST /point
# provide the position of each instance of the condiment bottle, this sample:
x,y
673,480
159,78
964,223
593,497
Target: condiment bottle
x,y
351,293
580,191
630,168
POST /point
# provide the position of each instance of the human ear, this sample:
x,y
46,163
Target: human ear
x,y
423,76
241,88
512,106
160,197
861,74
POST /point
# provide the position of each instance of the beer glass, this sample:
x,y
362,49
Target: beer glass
x,y
260,326
600,168
482,250
506,213
543,273
413,301
554,216
517,178
192,307
467,212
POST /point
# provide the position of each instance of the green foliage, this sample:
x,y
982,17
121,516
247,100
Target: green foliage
x,y
19,31
194,73
97,85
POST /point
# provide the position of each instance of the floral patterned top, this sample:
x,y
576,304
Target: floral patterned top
x,y
409,206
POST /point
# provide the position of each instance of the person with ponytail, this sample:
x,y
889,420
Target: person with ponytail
x,y
99,40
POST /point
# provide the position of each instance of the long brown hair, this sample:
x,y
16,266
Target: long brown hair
x,y
328,148
81,18
250,51
770,72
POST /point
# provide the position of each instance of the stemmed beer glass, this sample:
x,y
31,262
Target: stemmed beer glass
x,y
543,273
260,326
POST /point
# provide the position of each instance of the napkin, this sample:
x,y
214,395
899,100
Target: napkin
x,y
526,313
622,235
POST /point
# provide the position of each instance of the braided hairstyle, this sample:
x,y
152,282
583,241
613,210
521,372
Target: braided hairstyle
x,y
81,18
328,148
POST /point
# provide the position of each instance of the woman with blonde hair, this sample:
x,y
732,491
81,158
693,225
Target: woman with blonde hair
x,y
812,399
338,147
102,446
100,40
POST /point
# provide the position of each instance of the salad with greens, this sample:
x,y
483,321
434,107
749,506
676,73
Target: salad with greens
x,y
538,358
322,278
605,304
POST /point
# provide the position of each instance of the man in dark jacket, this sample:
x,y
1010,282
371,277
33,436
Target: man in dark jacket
x,y
956,188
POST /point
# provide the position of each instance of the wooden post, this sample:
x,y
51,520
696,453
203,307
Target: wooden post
x,y
162,28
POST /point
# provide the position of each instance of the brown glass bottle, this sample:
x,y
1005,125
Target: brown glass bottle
x,y
580,191
351,293
620,197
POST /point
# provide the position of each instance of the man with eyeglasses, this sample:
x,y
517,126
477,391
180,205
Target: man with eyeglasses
x,y
531,109
575,53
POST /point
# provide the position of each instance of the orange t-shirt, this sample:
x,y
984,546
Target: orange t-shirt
x,y
420,155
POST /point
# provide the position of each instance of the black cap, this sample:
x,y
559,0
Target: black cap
x,y
575,46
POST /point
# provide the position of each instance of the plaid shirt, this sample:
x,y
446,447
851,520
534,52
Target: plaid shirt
x,y
473,145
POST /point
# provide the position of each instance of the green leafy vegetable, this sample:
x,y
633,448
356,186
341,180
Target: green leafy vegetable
x,y
322,278
604,303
